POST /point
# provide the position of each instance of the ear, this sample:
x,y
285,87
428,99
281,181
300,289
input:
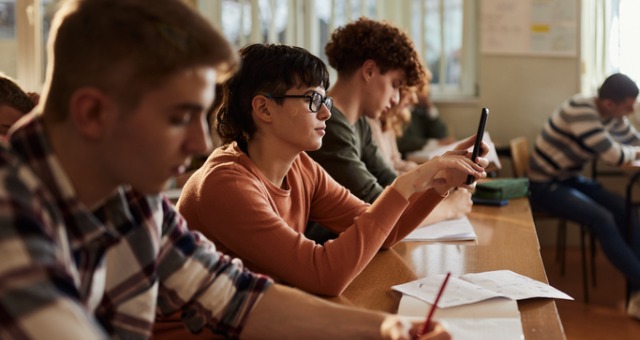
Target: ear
x,y
368,68
90,112
260,107
607,106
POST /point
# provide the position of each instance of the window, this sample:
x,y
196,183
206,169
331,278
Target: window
x,y
442,30
609,41
438,28
24,28
626,53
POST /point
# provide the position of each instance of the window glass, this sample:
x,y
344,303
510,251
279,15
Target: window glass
x,y
236,21
628,51
273,20
344,11
436,27
442,38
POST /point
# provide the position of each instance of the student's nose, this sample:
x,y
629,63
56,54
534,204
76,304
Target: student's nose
x,y
324,113
395,98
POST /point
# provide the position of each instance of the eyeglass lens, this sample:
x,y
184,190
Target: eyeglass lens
x,y
316,101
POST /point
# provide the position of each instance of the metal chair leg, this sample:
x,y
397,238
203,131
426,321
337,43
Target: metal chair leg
x,y
585,275
593,249
561,245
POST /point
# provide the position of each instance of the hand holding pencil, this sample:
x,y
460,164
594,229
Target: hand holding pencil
x,y
435,332
429,327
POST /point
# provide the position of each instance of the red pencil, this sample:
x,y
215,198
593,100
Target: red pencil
x,y
427,323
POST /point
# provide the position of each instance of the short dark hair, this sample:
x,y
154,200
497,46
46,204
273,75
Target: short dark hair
x,y
351,45
265,69
126,48
618,88
12,95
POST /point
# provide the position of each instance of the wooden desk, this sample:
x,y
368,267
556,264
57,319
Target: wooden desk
x,y
507,239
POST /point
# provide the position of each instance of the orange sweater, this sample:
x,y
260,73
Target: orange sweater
x,y
230,201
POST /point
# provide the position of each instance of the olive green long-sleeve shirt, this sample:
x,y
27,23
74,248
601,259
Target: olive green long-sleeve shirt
x,y
350,156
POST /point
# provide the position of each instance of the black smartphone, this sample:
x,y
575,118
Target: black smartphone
x,y
477,145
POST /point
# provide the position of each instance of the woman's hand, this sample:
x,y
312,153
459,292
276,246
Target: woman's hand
x,y
468,143
441,173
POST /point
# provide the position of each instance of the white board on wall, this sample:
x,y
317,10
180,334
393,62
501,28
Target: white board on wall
x,y
529,27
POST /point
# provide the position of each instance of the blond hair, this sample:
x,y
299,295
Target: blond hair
x,y
400,115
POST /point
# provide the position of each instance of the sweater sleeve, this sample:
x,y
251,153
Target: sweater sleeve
x,y
333,206
589,131
421,205
244,221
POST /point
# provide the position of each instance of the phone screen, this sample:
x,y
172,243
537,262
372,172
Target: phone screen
x,y
476,146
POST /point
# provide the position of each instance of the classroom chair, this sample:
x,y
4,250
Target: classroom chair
x,y
519,153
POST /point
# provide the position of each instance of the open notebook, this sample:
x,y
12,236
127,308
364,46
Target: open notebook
x,y
449,230
476,306
496,319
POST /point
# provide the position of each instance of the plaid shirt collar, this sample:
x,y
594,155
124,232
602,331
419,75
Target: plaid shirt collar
x,y
30,142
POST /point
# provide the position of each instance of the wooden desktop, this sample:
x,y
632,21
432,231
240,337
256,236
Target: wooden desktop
x,y
507,239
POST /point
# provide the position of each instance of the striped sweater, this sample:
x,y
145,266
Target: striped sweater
x,y
574,135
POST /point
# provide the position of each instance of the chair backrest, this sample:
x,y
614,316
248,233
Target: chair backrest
x,y
519,148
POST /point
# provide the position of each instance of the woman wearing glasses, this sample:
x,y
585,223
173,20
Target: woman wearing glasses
x,y
254,196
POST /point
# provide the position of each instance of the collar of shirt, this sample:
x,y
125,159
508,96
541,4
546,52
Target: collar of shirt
x,y
83,226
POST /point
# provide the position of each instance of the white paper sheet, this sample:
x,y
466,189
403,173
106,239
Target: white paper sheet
x,y
496,319
472,288
449,230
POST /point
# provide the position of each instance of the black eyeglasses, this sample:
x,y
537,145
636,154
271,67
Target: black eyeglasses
x,y
315,100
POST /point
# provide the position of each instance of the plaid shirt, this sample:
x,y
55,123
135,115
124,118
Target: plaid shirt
x,y
68,272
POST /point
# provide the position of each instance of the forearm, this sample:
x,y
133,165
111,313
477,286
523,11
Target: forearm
x,y
456,205
287,313
440,213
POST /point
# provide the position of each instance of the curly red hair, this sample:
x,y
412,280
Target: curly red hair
x,y
351,45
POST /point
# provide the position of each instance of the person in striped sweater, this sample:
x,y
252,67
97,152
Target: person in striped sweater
x,y
582,129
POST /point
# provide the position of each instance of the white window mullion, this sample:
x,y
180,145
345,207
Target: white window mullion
x,y
312,35
291,26
29,44
469,40
422,36
256,24
443,54
272,32
332,17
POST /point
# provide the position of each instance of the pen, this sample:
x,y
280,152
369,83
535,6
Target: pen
x,y
427,323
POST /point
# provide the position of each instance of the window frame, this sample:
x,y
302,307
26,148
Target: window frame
x,y
306,32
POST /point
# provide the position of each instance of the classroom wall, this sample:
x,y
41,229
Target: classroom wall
x,y
520,92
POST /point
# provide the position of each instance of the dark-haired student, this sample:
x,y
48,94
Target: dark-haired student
x,y
582,129
91,250
254,196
